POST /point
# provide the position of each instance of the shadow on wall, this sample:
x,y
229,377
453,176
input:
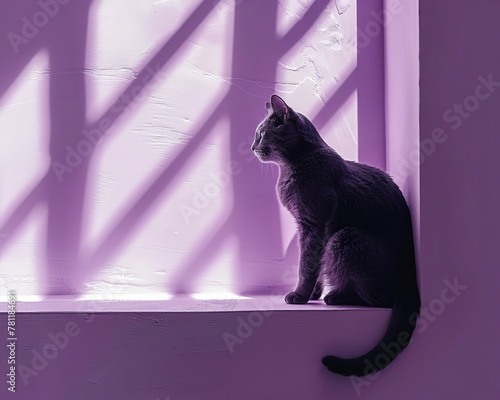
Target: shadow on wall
x,y
255,55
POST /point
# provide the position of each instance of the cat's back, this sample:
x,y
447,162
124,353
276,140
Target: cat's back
x,y
372,193
370,178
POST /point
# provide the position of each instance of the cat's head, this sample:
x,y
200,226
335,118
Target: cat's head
x,y
283,134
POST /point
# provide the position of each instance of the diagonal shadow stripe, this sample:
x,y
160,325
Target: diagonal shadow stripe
x,y
182,282
300,28
159,60
117,235
336,100
23,210
13,72
15,58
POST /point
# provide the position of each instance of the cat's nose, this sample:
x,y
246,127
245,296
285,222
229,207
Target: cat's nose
x,y
253,147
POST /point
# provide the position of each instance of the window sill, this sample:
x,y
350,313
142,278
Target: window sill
x,y
175,304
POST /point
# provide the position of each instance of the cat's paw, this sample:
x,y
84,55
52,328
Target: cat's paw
x,y
344,299
333,300
295,298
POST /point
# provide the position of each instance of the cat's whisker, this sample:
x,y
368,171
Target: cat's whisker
x,y
272,171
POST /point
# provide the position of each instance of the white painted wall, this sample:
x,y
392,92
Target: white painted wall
x,y
154,128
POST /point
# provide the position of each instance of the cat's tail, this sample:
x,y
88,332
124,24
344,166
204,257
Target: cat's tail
x,y
405,311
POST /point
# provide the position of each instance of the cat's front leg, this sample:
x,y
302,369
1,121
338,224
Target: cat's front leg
x,y
311,252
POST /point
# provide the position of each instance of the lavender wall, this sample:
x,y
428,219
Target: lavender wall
x,y
460,193
183,355
170,198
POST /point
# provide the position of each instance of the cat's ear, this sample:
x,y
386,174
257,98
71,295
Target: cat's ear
x,y
280,108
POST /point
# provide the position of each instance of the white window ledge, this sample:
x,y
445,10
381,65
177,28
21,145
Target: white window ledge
x,y
170,303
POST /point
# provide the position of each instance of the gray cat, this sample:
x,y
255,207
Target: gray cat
x,y
354,227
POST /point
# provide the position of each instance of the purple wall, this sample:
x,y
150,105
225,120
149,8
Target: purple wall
x,y
460,222
453,355
175,89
